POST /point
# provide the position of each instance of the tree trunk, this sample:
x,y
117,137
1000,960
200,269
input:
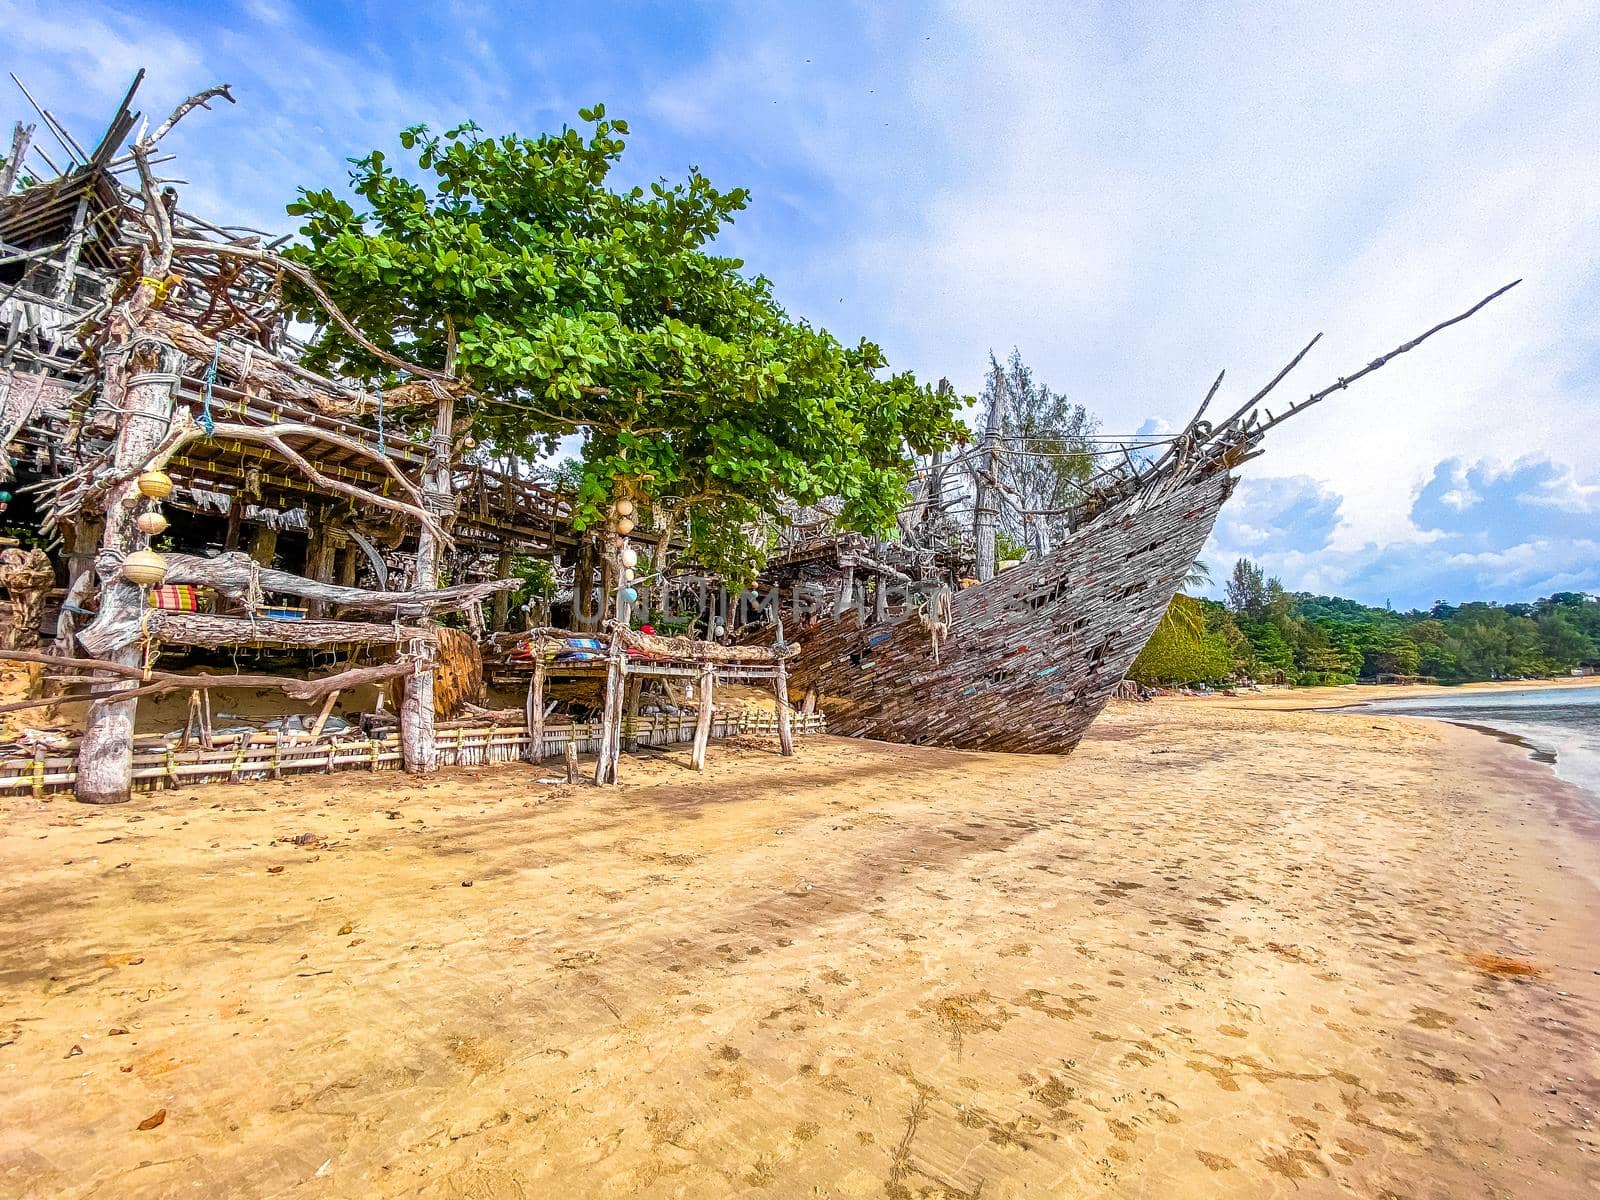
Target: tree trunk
x,y
585,610
105,756
986,510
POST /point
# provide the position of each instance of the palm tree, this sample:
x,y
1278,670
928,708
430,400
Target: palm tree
x,y
1184,616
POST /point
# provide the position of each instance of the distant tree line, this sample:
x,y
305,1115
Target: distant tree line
x,y
1262,632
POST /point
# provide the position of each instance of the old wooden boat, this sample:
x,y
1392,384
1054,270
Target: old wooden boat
x,y
1025,660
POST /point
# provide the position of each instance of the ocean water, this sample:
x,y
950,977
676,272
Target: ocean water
x,y
1560,726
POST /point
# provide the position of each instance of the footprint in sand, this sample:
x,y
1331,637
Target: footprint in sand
x,y
1430,1018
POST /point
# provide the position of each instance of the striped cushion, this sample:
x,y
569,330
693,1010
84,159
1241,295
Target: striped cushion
x,y
176,597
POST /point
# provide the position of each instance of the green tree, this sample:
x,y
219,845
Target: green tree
x,y
1182,649
570,307
1247,590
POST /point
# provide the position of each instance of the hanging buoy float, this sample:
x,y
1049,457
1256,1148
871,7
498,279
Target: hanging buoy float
x,y
624,508
152,523
629,595
155,485
630,556
5,497
624,525
145,568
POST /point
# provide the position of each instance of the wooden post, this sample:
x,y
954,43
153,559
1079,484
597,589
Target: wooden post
x,y
605,770
536,703
264,545
230,539
419,752
349,563
21,139
192,720
571,756
73,251
141,385
630,710
501,613
321,543
780,688
702,725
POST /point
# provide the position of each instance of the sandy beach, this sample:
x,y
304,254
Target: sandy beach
x,y
1226,949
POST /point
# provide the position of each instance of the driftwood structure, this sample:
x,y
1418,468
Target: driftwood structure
x,y
147,372
632,657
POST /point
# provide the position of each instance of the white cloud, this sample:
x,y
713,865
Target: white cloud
x,y
1132,196
1135,202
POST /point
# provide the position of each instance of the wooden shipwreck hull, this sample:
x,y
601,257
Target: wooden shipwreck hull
x,y
1026,660
1032,655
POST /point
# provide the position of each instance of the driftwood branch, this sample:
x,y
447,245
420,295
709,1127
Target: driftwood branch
x,y
308,281
240,578
270,376
1250,404
198,100
1187,433
212,632
1382,359
160,682
88,489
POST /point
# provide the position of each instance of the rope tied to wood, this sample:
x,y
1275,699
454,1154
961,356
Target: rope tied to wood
x,y
207,421
254,596
161,287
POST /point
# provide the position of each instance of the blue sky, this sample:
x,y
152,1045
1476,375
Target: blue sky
x,y
1135,196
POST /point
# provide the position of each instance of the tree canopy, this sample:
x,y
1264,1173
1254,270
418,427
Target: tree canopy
x,y
1331,640
572,307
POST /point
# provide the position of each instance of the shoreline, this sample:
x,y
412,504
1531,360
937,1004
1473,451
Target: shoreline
x,y
1225,948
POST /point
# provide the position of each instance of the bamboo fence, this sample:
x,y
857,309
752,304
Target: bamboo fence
x,y
277,755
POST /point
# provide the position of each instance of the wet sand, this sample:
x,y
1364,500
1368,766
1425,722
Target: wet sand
x,y
1224,950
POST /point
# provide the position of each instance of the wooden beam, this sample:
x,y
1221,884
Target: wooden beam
x,y
213,631
234,576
